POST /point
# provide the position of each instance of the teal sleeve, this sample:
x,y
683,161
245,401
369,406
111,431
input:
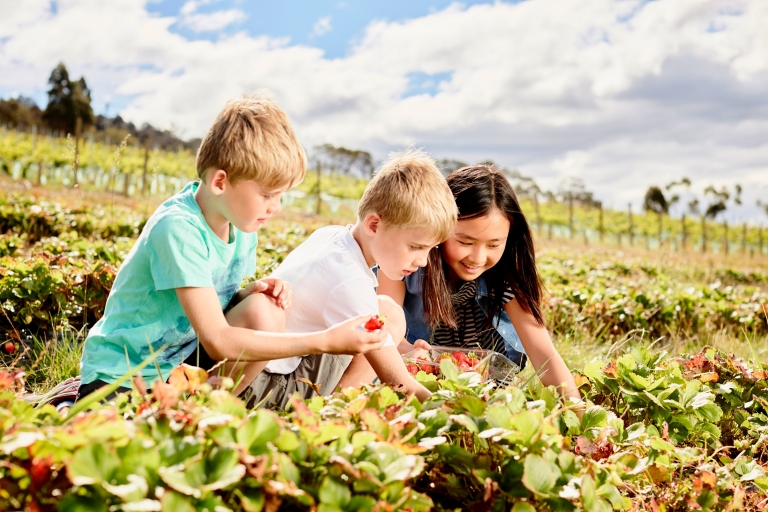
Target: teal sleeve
x,y
250,266
178,255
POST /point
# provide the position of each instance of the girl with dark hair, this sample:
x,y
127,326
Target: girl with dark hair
x,y
481,287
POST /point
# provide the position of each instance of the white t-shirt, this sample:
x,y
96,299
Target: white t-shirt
x,y
331,282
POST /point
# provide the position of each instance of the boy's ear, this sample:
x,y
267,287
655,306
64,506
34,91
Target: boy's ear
x,y
371,224
217,181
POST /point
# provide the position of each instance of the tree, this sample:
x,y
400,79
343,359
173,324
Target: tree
x,y
68,101
341,160
656,202
448,165
21,111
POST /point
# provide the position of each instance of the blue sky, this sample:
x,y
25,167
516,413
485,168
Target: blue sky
x,y
622,94
303,21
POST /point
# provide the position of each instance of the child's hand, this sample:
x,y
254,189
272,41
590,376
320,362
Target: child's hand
x,y
348,337
272,286
421,344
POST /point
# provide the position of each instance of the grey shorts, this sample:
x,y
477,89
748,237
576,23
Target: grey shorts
x,y
323,369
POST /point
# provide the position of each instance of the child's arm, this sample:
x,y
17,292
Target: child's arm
x,y
390,368
222,341
396,290
540,350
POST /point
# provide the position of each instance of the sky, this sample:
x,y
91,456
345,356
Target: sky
x,y
623,94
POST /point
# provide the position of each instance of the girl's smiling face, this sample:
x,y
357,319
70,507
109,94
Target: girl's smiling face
x,y
477,244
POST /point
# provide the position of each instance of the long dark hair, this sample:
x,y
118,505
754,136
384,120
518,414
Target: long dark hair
x,y
478,190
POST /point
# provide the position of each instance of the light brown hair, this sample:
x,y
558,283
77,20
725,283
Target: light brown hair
x,y
252,139
409,191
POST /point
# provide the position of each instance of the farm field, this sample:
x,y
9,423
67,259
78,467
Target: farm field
x,y
669,348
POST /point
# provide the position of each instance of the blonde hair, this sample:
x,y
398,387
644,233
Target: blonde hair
x,y
252,139
408,192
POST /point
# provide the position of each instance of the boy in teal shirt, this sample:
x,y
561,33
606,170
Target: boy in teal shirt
x,y
179,287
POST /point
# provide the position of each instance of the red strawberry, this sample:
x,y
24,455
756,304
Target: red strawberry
x,y
429,369
473,359
460,358
375,322
9,347
412,369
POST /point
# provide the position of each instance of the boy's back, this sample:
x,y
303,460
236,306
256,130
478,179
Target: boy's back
x,y
176,249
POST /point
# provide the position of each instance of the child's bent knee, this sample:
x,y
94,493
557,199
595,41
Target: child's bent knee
x,y
258,311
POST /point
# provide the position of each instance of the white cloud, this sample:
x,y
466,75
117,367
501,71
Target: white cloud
x,y
321,27
212,21
624,94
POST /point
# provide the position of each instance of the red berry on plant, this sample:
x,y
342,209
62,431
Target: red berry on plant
x,y
375,322
412,369
9,347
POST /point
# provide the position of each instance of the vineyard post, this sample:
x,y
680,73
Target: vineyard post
x,y
144,187
549,226
760,238
725,237
630,231
703,234
570,214
40,170
319,174
78,129
34,137
126,183
600,220
744,239
538,213
685,233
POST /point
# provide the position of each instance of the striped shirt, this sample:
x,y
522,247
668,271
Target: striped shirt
x,y
470,319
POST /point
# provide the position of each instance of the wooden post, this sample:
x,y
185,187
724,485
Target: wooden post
x,y
661,226
703,234
725,237
550,231
631,226
126,184
319,174
144,184
685,233
760,239
78,129
34,137
600,220
40,170
538,213
570,214
744,239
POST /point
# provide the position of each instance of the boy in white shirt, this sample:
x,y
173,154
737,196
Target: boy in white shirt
x,y
406,210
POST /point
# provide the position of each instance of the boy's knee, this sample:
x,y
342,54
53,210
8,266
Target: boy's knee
x,y
258,311
395,317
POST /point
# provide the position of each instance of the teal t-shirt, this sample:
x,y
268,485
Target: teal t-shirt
x,y
176,249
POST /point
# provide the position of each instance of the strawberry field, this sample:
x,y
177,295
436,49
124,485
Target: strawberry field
x,y
674,420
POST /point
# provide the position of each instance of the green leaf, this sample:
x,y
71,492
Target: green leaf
x,y
593,417
449,370
661,445
523,506
92,464
82,503
498,416
588,492
255,433
334,492
175,502
529,424
403,468
222,469
252,500
538,476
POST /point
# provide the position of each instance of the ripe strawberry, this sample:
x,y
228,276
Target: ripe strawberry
x,y
429,369
375,322
460,358
473,359
9,347
412,369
